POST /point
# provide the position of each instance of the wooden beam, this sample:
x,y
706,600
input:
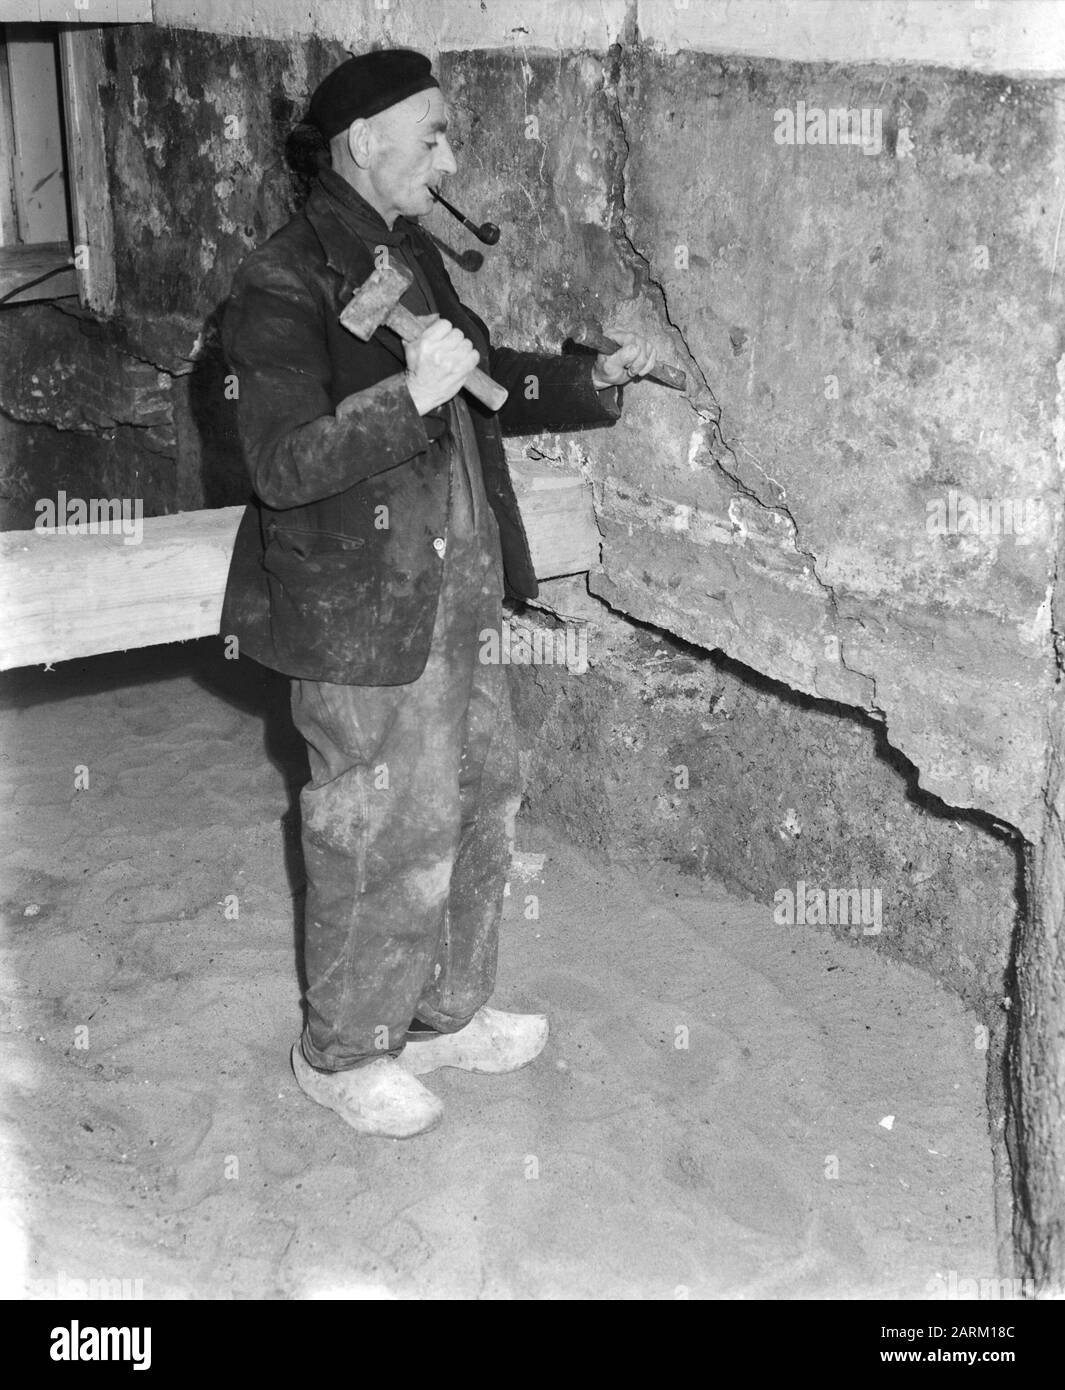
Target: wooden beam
x,y
72,595
559,518
82,72
8,209
66,596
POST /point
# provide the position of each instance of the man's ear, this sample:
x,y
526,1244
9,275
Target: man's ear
x,y
359,141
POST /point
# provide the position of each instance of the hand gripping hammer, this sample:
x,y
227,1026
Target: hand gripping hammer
x,y
376,302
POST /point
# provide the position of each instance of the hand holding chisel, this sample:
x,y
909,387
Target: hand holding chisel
x,y
590,336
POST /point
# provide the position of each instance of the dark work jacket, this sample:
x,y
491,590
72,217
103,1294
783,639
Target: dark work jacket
x,y
334,575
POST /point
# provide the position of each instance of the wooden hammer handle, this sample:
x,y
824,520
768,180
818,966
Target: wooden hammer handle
x,y
478,383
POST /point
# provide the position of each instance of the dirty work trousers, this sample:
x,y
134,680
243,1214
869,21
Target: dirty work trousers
x,y
408,821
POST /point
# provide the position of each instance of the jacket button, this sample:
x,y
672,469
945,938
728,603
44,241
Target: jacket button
x,y
438,545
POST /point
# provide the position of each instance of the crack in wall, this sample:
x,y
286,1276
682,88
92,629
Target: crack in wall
x,y
120,341
102,430
153,426
703,402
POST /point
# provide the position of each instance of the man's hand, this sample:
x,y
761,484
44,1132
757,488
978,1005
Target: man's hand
x,y
635,357
438,363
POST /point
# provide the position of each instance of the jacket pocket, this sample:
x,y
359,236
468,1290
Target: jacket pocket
x,y
313,567
304,542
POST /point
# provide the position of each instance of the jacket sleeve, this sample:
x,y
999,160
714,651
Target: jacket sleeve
x,y
298,449
550,392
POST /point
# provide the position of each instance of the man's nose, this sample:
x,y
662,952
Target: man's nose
x,y
445,157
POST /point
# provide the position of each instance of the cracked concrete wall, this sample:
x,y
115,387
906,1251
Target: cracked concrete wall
x,y
881,332
875,345
692,759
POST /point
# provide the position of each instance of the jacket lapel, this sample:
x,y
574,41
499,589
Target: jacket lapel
x,y
351,259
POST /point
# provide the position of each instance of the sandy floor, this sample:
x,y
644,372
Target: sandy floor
x,y
152,1129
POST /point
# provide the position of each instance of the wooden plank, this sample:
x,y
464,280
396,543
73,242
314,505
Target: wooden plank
x,y
68,595
71,595
559,518
8,209
81,68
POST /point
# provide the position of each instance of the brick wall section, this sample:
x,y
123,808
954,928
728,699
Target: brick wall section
x,y
67,372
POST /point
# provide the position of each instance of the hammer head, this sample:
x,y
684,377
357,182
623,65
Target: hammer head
x,y
375,299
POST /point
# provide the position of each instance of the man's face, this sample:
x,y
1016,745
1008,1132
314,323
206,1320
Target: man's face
x,y
409,153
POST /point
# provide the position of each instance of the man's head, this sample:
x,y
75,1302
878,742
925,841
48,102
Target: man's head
x,y
393,159
385,119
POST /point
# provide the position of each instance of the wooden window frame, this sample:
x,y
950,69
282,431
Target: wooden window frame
x,y
85,268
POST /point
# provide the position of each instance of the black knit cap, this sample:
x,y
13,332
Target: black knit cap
x,y
365,85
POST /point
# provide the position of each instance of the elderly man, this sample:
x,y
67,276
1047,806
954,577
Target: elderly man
x,y
372,556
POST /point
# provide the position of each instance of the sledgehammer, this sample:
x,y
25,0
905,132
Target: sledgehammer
x,y
376,302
